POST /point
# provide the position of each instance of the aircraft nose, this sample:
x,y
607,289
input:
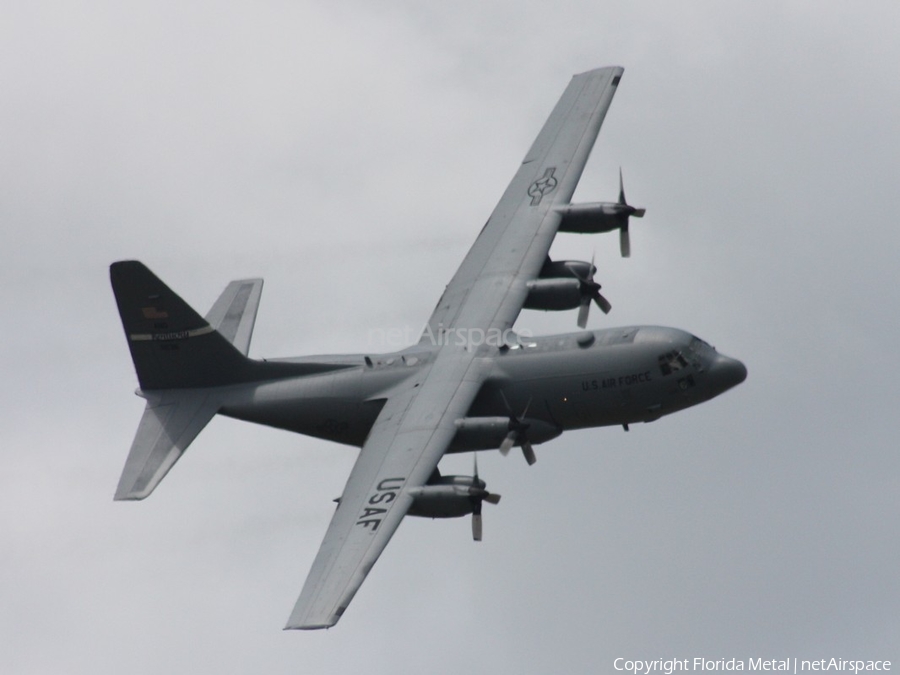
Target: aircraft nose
x,y
728,372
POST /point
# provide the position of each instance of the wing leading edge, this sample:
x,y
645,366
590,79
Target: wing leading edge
x,y
417,423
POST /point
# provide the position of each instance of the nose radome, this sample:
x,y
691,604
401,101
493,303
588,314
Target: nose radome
x,y
729,372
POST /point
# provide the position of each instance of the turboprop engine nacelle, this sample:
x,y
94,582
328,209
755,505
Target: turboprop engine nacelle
x,y
452,497
449,497
601,217
566,269
552,295
594,217
566,284
488,433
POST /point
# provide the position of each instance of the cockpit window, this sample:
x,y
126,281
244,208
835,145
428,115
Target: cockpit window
x,y
697,346
671,362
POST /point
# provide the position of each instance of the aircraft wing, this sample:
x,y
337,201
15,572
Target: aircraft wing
x,y
417,422
405,445
489,288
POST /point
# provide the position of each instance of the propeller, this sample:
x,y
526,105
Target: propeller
x,y
517,433
590,290
626,212
479,495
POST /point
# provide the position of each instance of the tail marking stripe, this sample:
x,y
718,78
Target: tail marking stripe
x,y
175,335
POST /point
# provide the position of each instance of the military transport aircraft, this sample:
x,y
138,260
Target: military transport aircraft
x,y
469,384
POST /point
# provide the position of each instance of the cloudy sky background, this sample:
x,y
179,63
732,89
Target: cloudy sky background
x,y
350,154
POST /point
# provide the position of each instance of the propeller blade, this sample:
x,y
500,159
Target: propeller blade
x,y
627,212
583,311
476,526
625,241
527,406
528,451
602,303
478,495
506,404
518,427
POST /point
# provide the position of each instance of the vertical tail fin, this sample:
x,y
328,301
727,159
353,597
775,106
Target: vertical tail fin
x,y
171,345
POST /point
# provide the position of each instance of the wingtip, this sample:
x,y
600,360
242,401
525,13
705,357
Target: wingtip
x,y
127,493
308,626
128,497
303,620
619,70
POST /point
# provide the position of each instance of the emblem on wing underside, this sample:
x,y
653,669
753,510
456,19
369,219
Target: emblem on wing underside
x,y
542,186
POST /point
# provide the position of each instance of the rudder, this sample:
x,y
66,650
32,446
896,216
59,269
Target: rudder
x,y
234,313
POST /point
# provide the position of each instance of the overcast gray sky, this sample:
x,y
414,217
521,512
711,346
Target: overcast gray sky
x,y
349,154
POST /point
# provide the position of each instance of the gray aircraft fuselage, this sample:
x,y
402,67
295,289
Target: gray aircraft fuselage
x,y
616,376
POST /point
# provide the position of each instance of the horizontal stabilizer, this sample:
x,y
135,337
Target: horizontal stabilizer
x,y
234,313
171,421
